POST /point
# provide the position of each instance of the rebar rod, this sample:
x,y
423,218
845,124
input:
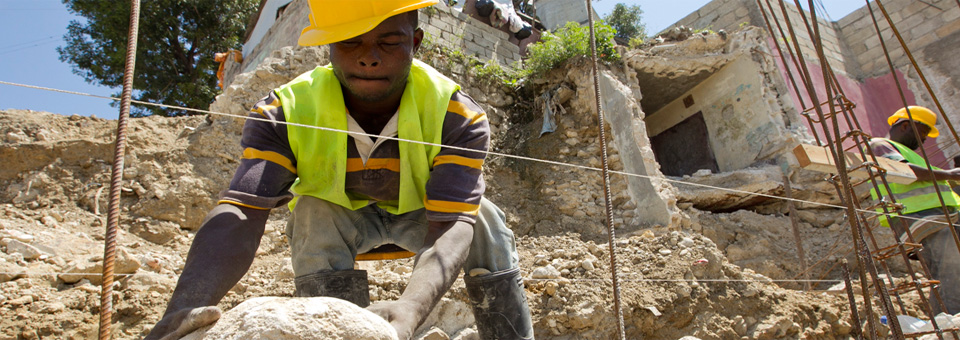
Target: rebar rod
x,y
848,287
801,255
608,201
113,215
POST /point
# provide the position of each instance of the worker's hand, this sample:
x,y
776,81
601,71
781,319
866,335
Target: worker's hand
x,y
398,314
954,174
183,322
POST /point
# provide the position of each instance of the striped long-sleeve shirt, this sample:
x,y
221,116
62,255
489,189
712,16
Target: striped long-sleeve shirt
x,y
268,166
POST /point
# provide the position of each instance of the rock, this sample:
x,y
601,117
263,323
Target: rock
x,y
765,331
49,221
20,301
434,334
27,251
545,272
587,265
467,334
687,242
750,291
17,235
281,318
162,284
286,272
92,268
665,251
689,337
9,271
156,232
551,288
739,325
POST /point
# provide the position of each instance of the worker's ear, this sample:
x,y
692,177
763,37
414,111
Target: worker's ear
x,y
417,39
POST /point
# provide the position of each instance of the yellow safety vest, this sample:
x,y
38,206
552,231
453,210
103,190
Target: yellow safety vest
x,y
919,195
315,99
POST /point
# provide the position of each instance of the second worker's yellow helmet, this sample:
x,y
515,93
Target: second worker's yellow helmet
x,y
919,114
336,20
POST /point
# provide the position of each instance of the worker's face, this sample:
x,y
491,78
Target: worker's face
x,y
902,132
373,67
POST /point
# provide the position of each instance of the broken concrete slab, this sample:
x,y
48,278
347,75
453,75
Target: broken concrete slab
x,y
712,192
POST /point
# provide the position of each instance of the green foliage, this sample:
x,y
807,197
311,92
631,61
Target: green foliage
x,y
448,59
635,42
571,40
175,50
626,20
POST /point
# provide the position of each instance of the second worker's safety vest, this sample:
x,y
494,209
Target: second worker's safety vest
x,y
316,99
919,195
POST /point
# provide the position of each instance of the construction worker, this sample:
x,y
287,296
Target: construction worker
x,y
927,222
350,194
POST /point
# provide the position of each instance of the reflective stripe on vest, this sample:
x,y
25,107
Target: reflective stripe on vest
x,y
315,99
919,195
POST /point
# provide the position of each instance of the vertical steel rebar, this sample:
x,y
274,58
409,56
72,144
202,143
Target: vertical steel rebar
x,y
113,215
801,255
608,202
848,287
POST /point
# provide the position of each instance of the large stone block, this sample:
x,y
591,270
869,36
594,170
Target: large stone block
x,y
283,318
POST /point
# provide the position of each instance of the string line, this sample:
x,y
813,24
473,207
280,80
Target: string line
x,y
494,153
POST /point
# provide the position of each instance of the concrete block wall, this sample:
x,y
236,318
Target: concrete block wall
x,y
919,23
556,13
448,26
441,23
730,15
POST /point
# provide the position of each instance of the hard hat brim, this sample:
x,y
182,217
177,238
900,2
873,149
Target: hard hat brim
x,y
314,35
933,129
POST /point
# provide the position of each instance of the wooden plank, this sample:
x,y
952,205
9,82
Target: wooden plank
x,y
819,158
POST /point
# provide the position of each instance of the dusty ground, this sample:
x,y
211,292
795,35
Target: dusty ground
x,y
713,275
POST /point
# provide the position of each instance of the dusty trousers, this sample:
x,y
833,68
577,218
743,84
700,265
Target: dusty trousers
x,y
327,236
941,256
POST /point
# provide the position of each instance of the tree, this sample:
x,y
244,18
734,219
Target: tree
x,y
626,20
175,49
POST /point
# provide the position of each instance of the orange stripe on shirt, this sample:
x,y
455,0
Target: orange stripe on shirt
x,y
251,153
241,204
451,207
458,160
261,108
356,164
461,109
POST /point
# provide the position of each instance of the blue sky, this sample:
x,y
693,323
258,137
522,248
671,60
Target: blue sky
x,y
33,29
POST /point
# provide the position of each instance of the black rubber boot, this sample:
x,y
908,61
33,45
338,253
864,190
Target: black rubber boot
x,y
500,305
350,285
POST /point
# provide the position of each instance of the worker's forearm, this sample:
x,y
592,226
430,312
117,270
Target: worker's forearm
x,y
438,264
220,255
924,174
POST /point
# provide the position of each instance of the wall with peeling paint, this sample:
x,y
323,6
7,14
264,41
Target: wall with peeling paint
x,y
740,123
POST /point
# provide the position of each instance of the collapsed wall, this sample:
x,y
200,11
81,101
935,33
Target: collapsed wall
x,y
854,51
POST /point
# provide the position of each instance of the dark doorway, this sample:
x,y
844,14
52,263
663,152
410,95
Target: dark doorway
x,y
685,148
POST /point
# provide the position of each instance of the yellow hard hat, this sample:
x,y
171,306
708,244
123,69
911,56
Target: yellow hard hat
x,y
336,20
920,114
